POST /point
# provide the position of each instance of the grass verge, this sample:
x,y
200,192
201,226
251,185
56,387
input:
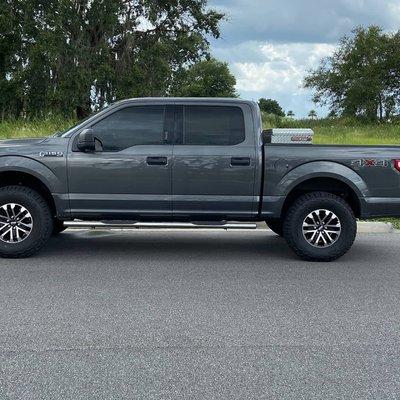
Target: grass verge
x,y
394,221
35,128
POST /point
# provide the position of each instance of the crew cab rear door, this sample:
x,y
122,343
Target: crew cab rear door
x,y
131,175
214,155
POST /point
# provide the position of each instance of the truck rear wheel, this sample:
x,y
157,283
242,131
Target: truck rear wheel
x,y
26,223
276,226
320,226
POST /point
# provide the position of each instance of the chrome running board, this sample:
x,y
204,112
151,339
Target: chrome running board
x,y
158,225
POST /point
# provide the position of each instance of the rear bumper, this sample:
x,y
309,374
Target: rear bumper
x,y
380,207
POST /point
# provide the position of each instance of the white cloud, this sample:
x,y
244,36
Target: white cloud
x,y
270,44
279,71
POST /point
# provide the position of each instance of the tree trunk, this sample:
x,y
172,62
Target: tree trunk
x,y
83,110
380,108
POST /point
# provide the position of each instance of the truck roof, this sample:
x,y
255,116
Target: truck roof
x,y
186,100
165,100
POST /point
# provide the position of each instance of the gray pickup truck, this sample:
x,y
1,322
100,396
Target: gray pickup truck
x,y
191,162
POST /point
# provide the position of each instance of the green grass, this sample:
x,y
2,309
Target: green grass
x,y
327,131
342,131
36,128
394,221
358,135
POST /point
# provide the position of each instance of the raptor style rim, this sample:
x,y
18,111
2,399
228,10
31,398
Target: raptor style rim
x,y
16,223
321,228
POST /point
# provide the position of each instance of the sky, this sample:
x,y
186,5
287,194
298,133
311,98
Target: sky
x,y
271,44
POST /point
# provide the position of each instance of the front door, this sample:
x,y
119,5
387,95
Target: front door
x,y
131,175
214,162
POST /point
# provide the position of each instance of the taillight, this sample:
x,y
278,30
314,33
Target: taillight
x,y
396,164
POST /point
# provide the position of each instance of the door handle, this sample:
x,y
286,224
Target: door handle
x,y
240,161
156,160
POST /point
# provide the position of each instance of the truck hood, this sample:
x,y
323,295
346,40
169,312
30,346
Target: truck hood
x,y
20,142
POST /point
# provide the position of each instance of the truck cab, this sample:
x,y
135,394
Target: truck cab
x,y
168,158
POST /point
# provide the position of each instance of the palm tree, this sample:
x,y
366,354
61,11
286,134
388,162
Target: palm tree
x,y
290,114
312,114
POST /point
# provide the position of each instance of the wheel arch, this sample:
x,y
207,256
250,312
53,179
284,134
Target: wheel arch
x,y
21,170
326,184
19,178
328,176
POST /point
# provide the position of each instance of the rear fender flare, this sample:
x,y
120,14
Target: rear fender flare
x,y
321,169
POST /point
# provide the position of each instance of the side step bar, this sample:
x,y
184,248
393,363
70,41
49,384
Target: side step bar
x,y
158,225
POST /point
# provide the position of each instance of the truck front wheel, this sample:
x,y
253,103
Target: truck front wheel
x,y
320,226
26,223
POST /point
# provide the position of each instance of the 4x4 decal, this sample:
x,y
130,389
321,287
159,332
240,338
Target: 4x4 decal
x,y
369,162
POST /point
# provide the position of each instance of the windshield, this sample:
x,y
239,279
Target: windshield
x,y
71,128
80,122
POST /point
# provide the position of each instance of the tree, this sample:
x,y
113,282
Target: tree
x,y
332,114
290,114
361,78
271,107
10,43
208,78
71,57
312,114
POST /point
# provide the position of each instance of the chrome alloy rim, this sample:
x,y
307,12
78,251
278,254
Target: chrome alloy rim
x,y
321,228
16,223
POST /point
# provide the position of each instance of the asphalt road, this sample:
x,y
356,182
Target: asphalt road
x,y
199,315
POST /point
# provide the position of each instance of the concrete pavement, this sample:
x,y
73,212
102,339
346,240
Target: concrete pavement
x,y
199,315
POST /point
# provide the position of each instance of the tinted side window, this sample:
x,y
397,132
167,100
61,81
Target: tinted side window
x,y
137,125
213,125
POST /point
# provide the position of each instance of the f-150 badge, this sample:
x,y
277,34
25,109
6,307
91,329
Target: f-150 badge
x,y
369,162
51,154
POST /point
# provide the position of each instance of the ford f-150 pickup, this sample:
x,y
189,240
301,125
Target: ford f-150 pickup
x,y
191,162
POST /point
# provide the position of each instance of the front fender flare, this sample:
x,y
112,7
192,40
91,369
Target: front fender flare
x,y
35,168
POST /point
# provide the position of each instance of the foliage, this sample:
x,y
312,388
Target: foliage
x,y
22,128
345,130
332,114
394,221
208,78
362,77
290,114
271,106
69,57
312,114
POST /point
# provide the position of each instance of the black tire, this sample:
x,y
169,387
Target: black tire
x,y
301,208
276,226
58,227
42,221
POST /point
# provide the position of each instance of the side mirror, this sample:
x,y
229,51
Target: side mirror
x,y
86,140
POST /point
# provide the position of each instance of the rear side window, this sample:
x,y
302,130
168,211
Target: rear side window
x,y
131,126
213,125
